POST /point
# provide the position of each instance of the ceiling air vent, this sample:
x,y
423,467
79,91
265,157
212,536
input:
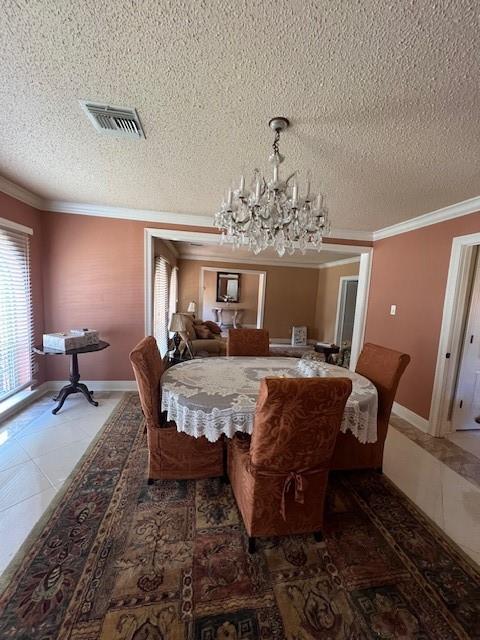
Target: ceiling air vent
x,y
116,121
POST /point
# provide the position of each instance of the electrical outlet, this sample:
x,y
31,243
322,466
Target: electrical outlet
x,y
393,310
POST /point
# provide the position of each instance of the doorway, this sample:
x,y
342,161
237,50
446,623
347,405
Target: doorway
x,y
452,334
346,305
466,403
363,252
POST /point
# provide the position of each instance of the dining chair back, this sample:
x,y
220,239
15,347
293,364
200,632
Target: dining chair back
x,y
384,368
171,455
148,367
248,342
280,479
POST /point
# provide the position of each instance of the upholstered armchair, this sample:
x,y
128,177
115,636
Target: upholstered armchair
x,y
384,367
171,455
279,476
248,342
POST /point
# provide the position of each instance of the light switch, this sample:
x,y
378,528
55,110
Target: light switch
x,y
393,310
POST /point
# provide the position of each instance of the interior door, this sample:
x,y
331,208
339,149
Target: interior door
x,y
346,311
466,405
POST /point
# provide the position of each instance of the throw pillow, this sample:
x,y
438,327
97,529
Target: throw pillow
x,y
213,326
203,332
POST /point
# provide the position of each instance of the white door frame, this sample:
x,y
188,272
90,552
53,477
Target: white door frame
x,y
262,281
364,274
339,301
454,309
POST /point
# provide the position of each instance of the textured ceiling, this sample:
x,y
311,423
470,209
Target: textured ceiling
x,y
383,97
187,249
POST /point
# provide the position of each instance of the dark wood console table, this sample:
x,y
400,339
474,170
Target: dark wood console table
x,y
327,351
75,385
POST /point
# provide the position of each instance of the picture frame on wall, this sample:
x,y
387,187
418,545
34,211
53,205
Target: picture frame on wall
x,y
299,336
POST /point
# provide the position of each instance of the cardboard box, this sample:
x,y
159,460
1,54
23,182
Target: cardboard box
x,y
67,341
90,335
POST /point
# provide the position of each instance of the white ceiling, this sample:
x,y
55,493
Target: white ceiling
x,y
226,252
383,98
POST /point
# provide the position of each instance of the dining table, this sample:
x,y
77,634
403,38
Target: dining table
x,y
216,396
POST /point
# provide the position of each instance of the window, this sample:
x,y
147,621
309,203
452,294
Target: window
x,y
160,304
16,320
173,294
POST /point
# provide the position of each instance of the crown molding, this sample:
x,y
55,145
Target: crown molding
x,y
168,217
338,263
252,261
125,213
350,234
280,262
19,193
201,220
434,217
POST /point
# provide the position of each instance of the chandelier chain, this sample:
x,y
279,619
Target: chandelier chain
x,y
276,140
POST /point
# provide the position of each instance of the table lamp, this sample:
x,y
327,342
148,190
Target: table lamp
x,y
192,307
178,325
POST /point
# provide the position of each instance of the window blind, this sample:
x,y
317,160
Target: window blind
x,y
173,293
160,304
16,318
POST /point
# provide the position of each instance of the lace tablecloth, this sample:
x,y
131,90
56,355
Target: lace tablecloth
x,y
214,396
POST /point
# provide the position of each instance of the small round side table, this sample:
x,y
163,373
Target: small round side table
x,y
75,385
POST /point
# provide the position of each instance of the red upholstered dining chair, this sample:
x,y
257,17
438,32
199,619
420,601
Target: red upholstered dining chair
x,y
384,367
248,342
171,455
279,477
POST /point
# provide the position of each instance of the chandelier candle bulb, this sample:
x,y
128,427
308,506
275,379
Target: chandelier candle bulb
x,y
229,198
295,193
257,190
242,184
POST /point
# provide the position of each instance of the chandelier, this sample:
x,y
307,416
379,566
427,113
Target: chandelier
x,y
272,213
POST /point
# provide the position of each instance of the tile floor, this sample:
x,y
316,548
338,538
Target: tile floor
x,y
38,451
447,497
467,440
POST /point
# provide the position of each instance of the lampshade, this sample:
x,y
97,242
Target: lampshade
x,y
192,307
177,323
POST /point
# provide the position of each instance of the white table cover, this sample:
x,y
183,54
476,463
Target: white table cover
x,y
214,396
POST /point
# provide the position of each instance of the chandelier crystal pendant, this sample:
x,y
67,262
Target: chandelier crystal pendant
x,y
272,213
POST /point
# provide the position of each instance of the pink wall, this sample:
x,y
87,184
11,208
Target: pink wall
x,y
410,270
93,277
17,211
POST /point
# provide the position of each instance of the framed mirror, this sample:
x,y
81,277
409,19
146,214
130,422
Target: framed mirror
x,y
228,287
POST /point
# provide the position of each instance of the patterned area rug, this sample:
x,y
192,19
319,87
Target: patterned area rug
x,y
117,559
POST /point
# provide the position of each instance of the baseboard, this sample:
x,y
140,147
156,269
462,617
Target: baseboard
x,y
410,416
98,385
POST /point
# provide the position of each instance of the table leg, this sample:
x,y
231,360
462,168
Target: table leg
x,y
74,387
62,396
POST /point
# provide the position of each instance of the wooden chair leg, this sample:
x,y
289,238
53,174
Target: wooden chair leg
x,y
318,535
252,546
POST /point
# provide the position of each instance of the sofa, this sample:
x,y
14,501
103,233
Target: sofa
x,y
202,338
